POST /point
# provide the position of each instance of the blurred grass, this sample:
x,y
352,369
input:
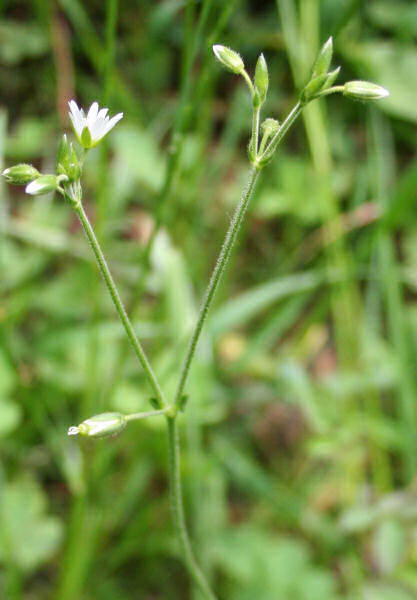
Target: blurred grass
x,y
300,445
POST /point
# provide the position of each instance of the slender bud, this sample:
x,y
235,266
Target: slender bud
x,y
331,78
261,78
99,426
323,60
67,162
313,87
364,90
20,174
43,185
229,58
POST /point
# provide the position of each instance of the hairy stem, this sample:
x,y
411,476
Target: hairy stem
x,y
219,269
111,286
177,508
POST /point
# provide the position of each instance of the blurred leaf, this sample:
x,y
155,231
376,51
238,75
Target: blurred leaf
x,y
385,591
388,545
21,40
28,536
268,568
10,416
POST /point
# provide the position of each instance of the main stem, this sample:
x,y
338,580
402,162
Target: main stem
x,y
177,508
219,269
105,271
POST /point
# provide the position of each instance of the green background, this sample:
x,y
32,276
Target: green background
x,y
299,443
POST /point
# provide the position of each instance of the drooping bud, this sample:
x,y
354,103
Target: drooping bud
x,y
324,58
43,185
67,162
100,426
313,87
229,58
20,174
261,78
364,90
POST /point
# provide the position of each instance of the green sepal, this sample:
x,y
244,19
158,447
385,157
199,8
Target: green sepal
x,y
331,78
67,162
313,87
100,426
20,174
364,90
324,58
229,58
86,138
261,78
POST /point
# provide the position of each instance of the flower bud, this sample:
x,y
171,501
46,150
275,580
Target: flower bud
x,y
313,87
364,90
261,78
229,58
331,78
99,426
270,126
323,60
43,185
20,174
67,160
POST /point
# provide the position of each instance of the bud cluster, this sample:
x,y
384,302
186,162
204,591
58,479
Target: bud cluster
x,y
36,183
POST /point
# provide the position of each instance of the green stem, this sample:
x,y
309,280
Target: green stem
x,y
291,117
178,510
255,131
219,269
144,415
111,286
249,82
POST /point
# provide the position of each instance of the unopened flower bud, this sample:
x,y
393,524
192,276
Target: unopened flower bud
x,y
323,60
20,174
261,78
43,185
331,78
229,58
364,90
270,126
99,426
313,87
67,162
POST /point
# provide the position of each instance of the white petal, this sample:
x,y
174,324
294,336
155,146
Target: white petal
x,y
73,107
92,113
33,187
77,117
98,129
102,113
113,121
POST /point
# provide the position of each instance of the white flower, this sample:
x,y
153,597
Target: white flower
x,y
92,128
